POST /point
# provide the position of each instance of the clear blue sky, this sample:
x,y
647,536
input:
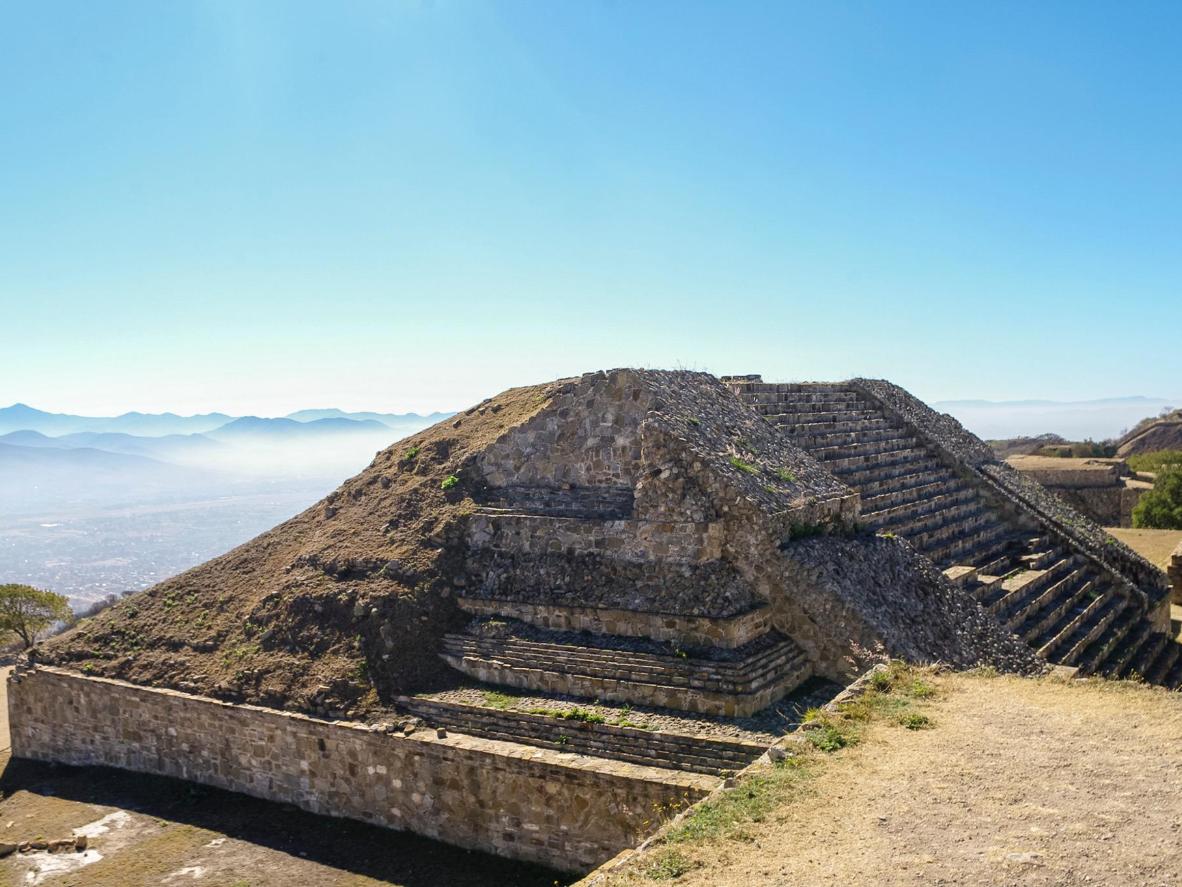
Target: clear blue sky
x,y
256,206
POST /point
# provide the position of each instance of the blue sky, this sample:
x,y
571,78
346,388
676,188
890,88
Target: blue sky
x,y
256,207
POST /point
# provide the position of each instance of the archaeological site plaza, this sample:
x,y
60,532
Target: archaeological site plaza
x,y
529,627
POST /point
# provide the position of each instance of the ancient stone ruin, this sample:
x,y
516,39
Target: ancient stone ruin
x,y
636,580
1104,490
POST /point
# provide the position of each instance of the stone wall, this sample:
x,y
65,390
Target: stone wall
x,y
1098,488
679,542
559,809
1174,570
685,631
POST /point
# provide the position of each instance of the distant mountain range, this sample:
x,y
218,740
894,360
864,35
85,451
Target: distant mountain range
x,y
1099,419
21,417
48,460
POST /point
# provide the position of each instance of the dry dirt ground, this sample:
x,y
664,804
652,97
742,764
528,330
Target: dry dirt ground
x,y
150,831
1155,546
1020,782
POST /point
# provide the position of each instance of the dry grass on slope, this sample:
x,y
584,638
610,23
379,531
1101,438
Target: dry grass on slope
x,y
1019,781
329,612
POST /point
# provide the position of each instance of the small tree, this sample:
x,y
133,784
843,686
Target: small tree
x,y
1161,507
27,611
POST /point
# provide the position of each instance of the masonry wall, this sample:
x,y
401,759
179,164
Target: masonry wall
x,y
555,808
1174,570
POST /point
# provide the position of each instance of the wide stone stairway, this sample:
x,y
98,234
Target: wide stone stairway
x,y
1066,606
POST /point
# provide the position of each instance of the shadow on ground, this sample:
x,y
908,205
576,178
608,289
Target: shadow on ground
x,y
352,848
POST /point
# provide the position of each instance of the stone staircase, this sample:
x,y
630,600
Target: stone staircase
x,y
716,682
1063,605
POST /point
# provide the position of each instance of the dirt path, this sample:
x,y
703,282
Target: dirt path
x,y
1021,782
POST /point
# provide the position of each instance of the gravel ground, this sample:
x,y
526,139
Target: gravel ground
x,y
1021,782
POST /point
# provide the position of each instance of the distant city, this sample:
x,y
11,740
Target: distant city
x,y
98,506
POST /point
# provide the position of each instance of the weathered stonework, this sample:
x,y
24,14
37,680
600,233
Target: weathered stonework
x,y
686,631
1098,488
559,809
1175,573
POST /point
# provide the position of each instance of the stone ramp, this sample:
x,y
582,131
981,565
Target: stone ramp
x,y
1067,606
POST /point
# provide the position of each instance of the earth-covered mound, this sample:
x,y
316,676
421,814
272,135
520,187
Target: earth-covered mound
x,y
332,611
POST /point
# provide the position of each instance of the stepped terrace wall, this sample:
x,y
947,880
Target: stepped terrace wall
x,y
562,810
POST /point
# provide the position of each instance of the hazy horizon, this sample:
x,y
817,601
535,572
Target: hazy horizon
x,y
410,206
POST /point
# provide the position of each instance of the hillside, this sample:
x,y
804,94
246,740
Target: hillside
x,y
1163,433
330,611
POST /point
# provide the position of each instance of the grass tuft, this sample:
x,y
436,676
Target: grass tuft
x,y
745,467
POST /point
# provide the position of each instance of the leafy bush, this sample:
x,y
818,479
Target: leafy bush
x,y
1161,507
448,482
1156,461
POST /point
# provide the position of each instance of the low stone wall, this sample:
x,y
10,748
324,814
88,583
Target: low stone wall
x,y
563,810
698,754
687,631
1174,570
668,541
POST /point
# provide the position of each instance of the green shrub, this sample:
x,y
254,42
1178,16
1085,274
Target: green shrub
x,y
448,482
785,475
409,455
1156,461
1161,507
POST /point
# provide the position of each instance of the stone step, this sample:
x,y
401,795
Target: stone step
x,y
695,753
867,450
1122,634
850,467
960,522
1146,654
928,484
744,386
935,500
962,576
1163,663
880,475
1173,678
1058,609
823,440
741,676
943,520
802,401
1117,661
849,414
970,548
536,677
1033,591
810,426
1088,626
